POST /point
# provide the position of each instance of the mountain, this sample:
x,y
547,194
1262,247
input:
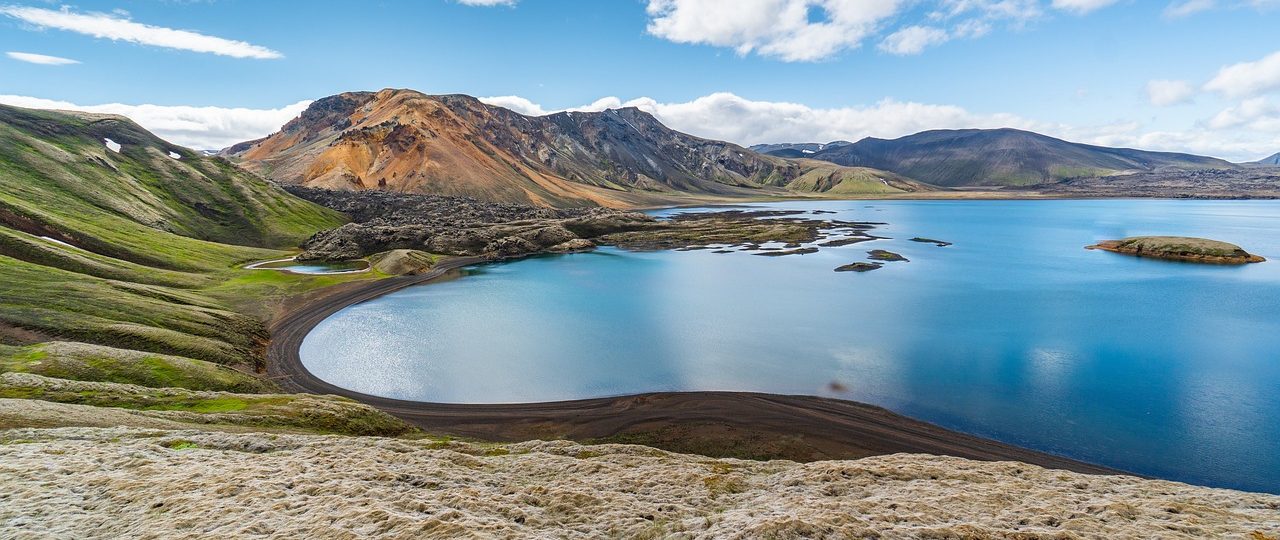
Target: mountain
x,y
796,150
112,236
1269,161
403,140
1003,157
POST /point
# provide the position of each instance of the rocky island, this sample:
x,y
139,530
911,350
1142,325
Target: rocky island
x,y
1179,248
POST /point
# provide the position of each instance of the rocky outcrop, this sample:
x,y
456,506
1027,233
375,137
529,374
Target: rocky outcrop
x,y
1179,248
460,226
399,262
860,267
101,483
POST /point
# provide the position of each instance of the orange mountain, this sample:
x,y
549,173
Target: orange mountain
x,y
403,140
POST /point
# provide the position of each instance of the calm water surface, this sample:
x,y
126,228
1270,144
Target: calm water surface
x,y
1014,332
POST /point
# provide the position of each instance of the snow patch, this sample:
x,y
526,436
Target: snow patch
x,y
806,151
112,145
175,155
56,241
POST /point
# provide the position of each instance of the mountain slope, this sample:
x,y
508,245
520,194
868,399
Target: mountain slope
x,y
796,150
1010,157
1269,161
404,140
59,178
126,245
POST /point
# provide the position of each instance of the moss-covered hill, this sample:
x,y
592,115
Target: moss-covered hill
x,y
122,292
110,235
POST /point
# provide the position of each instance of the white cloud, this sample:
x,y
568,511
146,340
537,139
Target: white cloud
x,y
1243,132
913,40
114,27
42,59
811,30
728,117
1184,8
1164,93
1081,6
488,3
203,128
1256,114
515,103
790,30
1247,78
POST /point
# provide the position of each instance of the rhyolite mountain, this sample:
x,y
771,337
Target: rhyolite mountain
x,y
403,140
1003,157
796,150
1269,161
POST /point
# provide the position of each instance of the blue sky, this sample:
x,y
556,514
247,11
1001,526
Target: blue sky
x,y
1154,74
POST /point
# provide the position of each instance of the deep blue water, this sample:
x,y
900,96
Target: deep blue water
x,y
1014,332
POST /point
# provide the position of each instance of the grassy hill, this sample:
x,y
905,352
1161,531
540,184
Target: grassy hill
x,y
131,245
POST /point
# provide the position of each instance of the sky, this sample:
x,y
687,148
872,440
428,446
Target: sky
x,y
1200,76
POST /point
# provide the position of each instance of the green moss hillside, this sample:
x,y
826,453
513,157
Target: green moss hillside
x,y
96,363
133,246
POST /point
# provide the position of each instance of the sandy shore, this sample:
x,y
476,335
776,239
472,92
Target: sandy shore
x,y
736,424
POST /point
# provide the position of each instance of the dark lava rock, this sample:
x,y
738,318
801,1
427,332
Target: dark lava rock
x,y
938,243
846,241
801,251
882,255
859,267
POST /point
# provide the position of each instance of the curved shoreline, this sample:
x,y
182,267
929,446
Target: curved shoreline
x,y
802,428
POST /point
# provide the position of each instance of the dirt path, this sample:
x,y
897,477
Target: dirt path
x,y
738,424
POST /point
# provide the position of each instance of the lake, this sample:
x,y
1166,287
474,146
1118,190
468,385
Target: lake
x,y
1014,332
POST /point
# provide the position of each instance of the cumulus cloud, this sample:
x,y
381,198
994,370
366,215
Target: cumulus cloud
x,y
790,30
1256,114
1247,78
913,40
1164,93
810,30
515,103
1183,8
728,117
204,128
117,28
1081,6
42,59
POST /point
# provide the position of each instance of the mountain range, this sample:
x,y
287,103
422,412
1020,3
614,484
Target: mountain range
x,y
403,140
796,150
999,157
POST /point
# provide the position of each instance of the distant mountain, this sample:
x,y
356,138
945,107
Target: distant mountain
x,y
1269,161
1003,157
796,150
407,141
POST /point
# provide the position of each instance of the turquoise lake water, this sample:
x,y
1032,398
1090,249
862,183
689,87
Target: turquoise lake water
x,y
1015,332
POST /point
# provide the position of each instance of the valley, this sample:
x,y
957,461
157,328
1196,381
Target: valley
x,y
135,294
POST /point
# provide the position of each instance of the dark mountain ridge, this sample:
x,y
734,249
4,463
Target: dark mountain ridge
x,y
1003,157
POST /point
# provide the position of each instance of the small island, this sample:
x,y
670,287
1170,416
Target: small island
x,y
1179,248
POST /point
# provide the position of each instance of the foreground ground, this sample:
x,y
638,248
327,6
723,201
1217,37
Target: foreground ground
x,y
78,483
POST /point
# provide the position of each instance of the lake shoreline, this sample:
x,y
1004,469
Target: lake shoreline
x,y
717,423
